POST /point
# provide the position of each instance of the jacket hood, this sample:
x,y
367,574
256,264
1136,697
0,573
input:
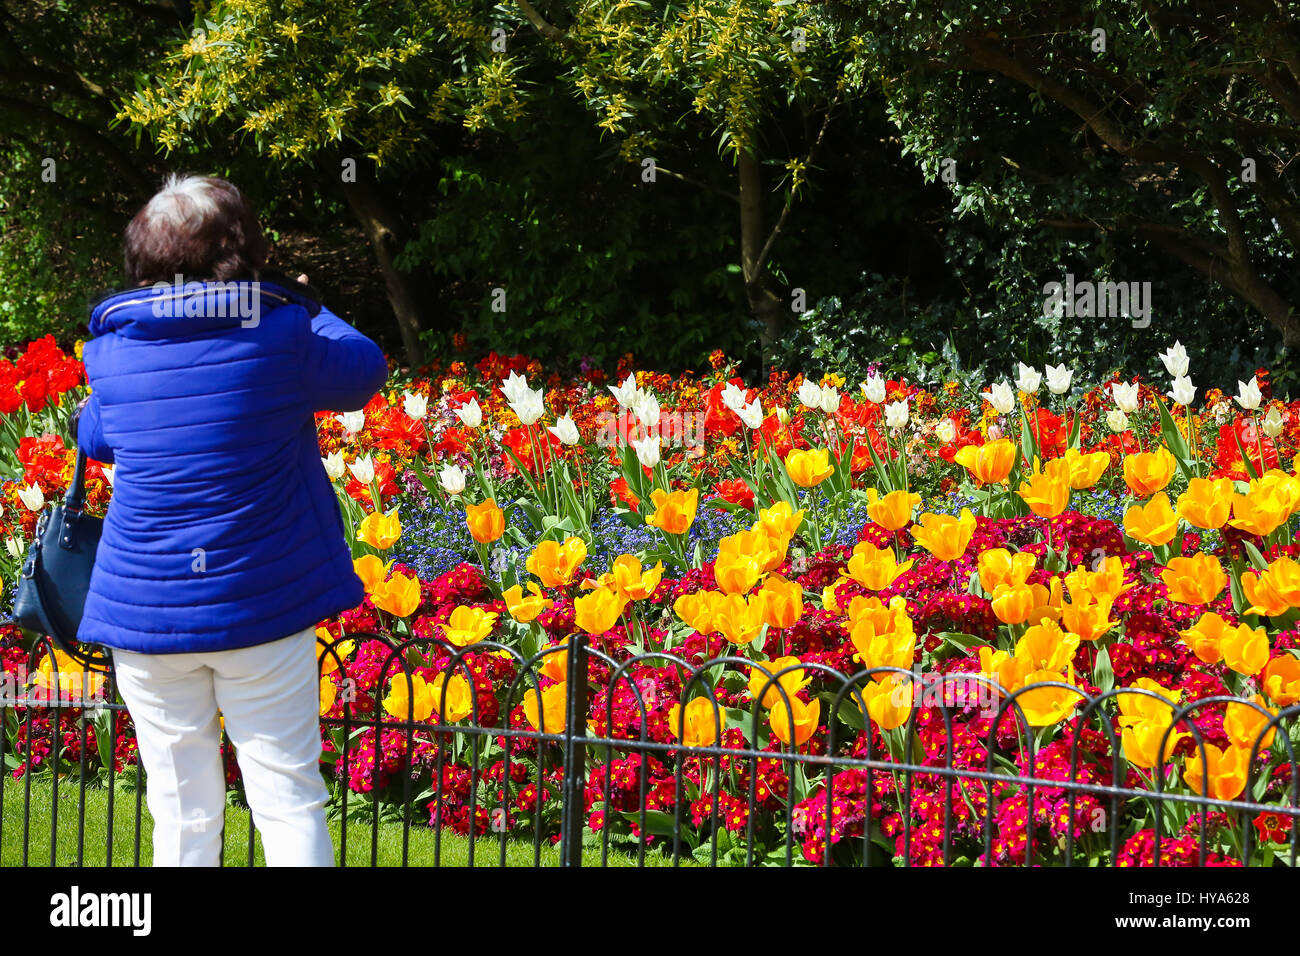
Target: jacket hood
x,y
165,310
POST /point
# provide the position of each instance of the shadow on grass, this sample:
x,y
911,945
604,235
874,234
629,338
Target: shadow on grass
x,y
92,820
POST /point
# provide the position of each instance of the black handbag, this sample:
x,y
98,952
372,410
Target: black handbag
x,y
55,577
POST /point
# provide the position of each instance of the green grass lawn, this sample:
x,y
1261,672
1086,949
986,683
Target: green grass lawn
x,y
420,850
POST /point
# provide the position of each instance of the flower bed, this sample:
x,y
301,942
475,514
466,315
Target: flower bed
x,y
1102,583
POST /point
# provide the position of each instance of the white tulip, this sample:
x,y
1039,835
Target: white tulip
x,y
32,497
782,415
14,547
1117,420
945,431
733,397
1058,379
646,409
1272,423
830,402
363,470
515,388
874,388
334,466
1175,360
1184,391
1001,397
1029,378
111,470
626,392
565,429
647,451
415,405
896,414
1248,394
470,415
452,479
810,394
529,408
1126,396
751,414
353,422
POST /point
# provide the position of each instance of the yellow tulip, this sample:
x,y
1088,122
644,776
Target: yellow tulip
x,y
1275,591
737,619
1046,706
1018,603
1135,708
468,625
555,563
380,530
406,693
549,718
1148,472
1085,470
486,522
1106,582
1145,743
330,653
893,512
1227,771
809,468
1154,523
875,568
674,511
736,573
882,634
631,581
1205,503
1204,637
801,727
598,611
700,725
1244,649
830,602
944,536
460,696
756,546
779,521
525,607
1260,513
989,463
696,610
763,680
1195,580
371,570
998,567
1088,617
328,693
1047,491
889,700
399,595
1046,647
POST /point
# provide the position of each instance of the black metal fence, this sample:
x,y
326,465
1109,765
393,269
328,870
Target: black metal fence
x,y
967,779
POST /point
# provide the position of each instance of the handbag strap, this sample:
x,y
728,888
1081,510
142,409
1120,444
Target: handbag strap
x,y
76,496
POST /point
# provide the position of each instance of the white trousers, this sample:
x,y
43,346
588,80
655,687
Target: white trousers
x,y
269,697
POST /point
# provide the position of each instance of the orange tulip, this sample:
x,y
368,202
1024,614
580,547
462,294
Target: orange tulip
x,y
1274,592
1204,637
763,680
699,725
809,468
1245,724
674,511
555,662
696,610
555,563
1152,524
486,522
1227,772
944,536
1145,743
1088,617
805,719
1244,649
781,601
1148,472
1282,679
632,582
1013,603
737,572
549,717
371,570
893,512
328,694
1046,647
1195,580
989,463
1205,503
1260,513
399,595
330,653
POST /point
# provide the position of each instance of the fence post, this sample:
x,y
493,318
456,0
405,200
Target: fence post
x,y
573,787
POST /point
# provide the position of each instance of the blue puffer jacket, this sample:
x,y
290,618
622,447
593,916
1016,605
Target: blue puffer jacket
x,y
223,530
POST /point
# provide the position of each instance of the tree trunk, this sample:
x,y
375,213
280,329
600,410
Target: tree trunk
x,y
764,303
382,228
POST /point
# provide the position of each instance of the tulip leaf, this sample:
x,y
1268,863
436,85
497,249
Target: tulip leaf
x,y
851,714
1256,558
1103,675
1245,457
1076,429
1175,442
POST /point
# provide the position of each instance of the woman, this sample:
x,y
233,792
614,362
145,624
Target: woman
x,y
223,546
